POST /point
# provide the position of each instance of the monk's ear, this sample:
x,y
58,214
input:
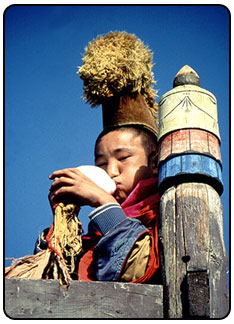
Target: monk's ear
x,y
153,162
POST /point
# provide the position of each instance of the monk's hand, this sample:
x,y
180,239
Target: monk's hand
x,y
71,184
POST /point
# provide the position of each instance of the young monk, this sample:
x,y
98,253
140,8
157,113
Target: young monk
x,y
122,240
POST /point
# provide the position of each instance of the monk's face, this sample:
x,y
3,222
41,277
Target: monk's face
x,y
122,156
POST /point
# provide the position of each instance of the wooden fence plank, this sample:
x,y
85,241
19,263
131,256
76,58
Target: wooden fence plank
x,y
25,298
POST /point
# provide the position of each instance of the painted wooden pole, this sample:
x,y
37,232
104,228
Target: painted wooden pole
x,y
193,254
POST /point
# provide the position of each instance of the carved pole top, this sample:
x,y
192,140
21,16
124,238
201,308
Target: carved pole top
x,y
186,75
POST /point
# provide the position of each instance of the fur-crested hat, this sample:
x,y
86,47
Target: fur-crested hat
x,y
117,74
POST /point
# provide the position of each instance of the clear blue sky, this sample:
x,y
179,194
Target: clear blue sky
x,y
47,124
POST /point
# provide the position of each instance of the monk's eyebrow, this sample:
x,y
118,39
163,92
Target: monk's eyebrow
x,y
118,150
122,149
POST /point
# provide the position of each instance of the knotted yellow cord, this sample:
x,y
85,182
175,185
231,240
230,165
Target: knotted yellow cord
x,y
64,239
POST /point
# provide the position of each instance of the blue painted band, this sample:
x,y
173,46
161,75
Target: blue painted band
x,y
190,168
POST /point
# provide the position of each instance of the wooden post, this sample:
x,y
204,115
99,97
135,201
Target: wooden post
x,y
193,255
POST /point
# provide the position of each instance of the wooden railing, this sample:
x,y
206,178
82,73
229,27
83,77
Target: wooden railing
x,y
25,298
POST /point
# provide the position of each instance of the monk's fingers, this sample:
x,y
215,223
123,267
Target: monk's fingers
x,y
61,182
69,173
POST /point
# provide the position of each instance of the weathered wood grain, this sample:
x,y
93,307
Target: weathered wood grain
x,y
217,258
172,250
193,210
25,298
191,233
196,303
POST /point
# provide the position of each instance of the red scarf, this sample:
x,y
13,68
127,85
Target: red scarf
x,y
143,204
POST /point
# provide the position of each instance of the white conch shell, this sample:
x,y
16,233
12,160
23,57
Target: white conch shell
x,y
99,176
